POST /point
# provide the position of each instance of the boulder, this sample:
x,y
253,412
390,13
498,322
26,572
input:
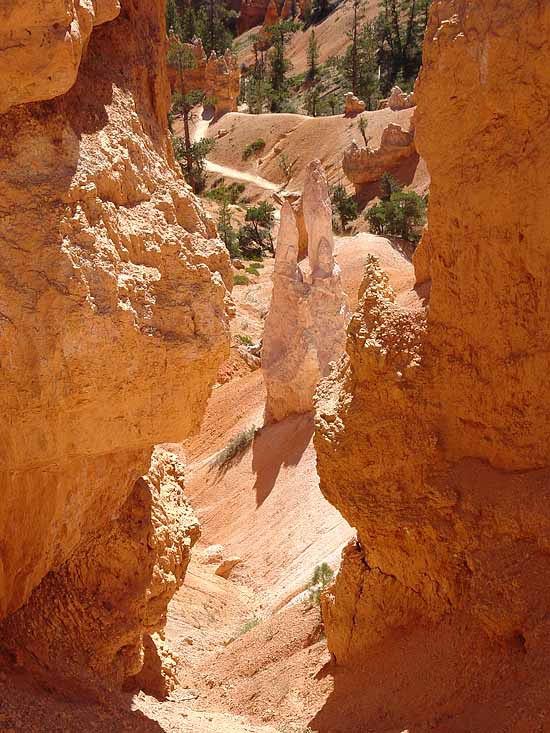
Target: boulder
x,y
226,567
353,105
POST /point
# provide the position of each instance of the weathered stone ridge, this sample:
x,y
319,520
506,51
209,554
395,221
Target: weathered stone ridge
x,y
112,318
218,77
432,436
305,327
364,165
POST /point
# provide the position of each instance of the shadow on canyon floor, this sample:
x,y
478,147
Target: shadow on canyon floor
x,y
281,444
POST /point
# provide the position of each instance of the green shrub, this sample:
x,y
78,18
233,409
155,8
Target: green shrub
x,y
344,204
253,270
236,446
253,148
245,339
321,577
240,279
403,215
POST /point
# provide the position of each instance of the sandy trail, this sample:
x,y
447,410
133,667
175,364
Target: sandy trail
x,y
202,118
224,170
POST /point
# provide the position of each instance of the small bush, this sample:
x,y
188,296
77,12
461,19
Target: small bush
x,y
321,577
255,147
253,270
403,215
240,280
245,339
344,204
236,445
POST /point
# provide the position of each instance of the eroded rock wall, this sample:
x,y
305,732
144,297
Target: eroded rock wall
x,y
218,77
432,434
364,165
112,313
84,625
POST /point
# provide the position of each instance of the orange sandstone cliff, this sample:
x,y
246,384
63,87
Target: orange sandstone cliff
x,y
432,434
112,323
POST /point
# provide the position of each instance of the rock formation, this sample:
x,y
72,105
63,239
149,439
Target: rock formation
x,y
112,318
271,14
127,573
219,78
398,100
432,437
42,45
268,12
364,165
305,327
353,105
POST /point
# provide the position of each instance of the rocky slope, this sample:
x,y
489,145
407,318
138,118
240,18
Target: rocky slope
x,y
112,305
438,419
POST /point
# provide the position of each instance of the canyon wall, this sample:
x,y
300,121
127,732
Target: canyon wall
x,y
112,302
432,434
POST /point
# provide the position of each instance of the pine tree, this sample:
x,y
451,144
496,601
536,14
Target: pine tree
x,y
359,65
312,56
279,65
173,20
400,28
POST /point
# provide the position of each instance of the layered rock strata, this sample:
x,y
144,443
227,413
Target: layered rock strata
x,y
305,327
364,165
432,434
112,303
218,77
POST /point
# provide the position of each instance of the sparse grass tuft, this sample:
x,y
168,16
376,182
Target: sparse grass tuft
x,y
245,339
236,445
253,270
253,148
295,728
240,280
248,626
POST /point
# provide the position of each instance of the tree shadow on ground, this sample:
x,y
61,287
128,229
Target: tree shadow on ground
x,y
278,445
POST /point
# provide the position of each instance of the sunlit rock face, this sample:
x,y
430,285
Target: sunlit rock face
x,y
432,435
112,302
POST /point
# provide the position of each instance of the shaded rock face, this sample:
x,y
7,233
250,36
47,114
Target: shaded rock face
x,y
252,14
42,45
439,421
112,316
364,165
219,78
86,622
305,328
